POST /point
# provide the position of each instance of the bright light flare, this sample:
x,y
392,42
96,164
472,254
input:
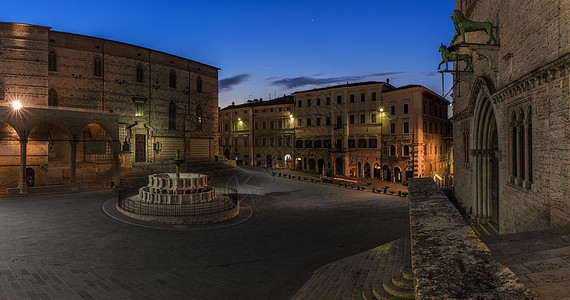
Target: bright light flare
x,y
16,105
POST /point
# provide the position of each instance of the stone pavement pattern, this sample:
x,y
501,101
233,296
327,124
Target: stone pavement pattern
x,y
541,259
65,247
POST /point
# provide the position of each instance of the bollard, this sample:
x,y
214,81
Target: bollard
x,y
400,193
385,191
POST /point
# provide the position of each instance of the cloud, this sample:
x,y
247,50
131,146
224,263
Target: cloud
x,y
291,83
227,84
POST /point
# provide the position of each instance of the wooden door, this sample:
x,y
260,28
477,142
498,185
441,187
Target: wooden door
x,y
140,148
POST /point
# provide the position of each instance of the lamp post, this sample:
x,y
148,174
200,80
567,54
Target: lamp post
x,y
381,145
23,185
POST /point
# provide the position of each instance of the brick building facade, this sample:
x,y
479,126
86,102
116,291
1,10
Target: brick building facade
x,y
131,98
511,116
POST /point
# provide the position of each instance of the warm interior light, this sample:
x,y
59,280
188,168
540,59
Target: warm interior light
x,y
16,105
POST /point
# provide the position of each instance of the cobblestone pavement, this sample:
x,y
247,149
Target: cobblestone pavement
x,y
66,247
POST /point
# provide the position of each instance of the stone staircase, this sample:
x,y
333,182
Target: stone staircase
x,y
384,272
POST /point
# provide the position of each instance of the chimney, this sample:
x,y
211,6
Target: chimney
x,y
388,80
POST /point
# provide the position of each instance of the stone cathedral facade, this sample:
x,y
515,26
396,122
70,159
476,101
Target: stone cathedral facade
x,y
511,123
90,102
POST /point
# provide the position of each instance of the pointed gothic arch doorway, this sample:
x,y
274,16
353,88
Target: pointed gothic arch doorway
x,y
486,161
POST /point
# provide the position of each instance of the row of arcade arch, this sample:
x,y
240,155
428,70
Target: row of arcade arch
x,y
48,151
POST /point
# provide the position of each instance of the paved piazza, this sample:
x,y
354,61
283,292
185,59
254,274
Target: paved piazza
x,y
66,247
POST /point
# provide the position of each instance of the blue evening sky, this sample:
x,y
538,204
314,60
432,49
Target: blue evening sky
x,y
269,47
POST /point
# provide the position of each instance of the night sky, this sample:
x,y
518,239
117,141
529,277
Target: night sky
x,y
269,47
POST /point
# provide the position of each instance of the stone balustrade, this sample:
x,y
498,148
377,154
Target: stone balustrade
x,y
150,195
168,181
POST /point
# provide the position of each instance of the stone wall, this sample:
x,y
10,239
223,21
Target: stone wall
x,y
448,260
528,71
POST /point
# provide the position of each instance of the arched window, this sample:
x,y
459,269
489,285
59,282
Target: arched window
x,y
2,97
430,128
172,79
52,61
199,117
425,127
199,84
97,66
529,145
52,98
522,145
392,150
513,146
172,115
406,150
140,73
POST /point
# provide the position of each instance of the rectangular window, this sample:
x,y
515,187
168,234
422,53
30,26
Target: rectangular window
x,y
263,125
328,121
271,126
372,143
279,124
373,118
256,125
139,109
264,142
300,103
318,101
308,102
309,122
362,118
362,97
373,96
326,143
339,121
392,128
351,143
338,99
338,144
318,121
328,100
271,142
308,143
257,142
288,141
392,110
351,119
361,143
279,141
352,98
271,110
405,109
299,144
406,127
299,122
318,144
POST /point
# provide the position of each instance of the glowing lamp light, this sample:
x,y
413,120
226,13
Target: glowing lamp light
x,y
381,109
16,105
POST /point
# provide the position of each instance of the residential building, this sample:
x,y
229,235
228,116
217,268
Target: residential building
x,y
258,132
373,130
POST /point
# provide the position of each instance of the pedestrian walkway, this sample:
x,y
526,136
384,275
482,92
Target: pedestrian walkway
x,y
370,184
541,259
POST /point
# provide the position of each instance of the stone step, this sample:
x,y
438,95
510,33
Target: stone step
x,y
407,271
347,287
379,255
317,279
335,278
366,270
384,287
375,280
398,268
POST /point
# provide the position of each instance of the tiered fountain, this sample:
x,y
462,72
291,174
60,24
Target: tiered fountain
x,y
177,198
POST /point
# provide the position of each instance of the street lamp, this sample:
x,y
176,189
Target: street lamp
x,y
16,105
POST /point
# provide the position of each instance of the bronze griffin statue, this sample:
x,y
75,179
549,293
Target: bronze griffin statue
x,y
463,25
447,56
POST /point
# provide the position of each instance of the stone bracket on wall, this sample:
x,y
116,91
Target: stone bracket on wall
x,y
485,52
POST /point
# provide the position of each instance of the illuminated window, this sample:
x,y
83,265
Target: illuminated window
x,y
52,98
52,61
139,108
97,71
199,117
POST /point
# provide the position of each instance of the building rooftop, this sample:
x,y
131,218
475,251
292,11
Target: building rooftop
x,y
345,85
254,103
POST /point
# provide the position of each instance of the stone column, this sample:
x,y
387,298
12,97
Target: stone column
x,y
518,147
526,143
73,163
23,186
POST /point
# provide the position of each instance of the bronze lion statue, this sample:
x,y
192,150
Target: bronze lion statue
x,y
463,25
447,56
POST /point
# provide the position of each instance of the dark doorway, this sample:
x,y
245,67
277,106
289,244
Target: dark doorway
x,y
339,166
268,161
30,177
397,175
140,148
377,172
321,164
312,164
387,174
